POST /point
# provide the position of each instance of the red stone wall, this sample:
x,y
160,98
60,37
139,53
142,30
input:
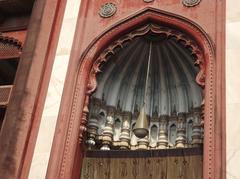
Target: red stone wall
x,y
203,14
23,115
208,16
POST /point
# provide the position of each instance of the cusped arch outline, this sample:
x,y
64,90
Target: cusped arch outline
x,y
89,63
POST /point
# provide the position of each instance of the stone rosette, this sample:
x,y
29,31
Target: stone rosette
x,y
147,1
107,10
190,3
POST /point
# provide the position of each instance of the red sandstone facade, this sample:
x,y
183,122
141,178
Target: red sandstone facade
x,y
205,23
24,110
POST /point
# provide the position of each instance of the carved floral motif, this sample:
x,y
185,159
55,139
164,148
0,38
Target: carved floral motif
x,y
107,10
190,3
147,1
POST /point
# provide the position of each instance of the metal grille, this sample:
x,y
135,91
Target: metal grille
x,y
5,92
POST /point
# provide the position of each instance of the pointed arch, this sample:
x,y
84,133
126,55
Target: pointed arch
x,y
85,83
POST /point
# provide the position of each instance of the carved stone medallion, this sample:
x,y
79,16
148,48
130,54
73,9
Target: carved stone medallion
x,y
190,3
107,10
147,1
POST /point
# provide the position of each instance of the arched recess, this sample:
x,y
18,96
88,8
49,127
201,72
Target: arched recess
x,y
65,157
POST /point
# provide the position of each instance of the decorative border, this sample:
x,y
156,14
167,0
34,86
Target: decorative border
x,y
169,32
144,153
10,41
85,81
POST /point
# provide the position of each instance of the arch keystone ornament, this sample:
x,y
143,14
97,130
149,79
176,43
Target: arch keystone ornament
x,y
190,3
107,10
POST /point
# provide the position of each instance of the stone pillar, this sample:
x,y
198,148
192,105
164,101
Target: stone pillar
x,y
92,126
125,131
143,143
181,131
197,138
172,120
107,137
163,132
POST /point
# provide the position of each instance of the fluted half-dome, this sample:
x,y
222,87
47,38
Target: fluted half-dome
x,y
171,86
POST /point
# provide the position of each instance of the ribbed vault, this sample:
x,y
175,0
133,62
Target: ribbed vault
x,y
172,83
